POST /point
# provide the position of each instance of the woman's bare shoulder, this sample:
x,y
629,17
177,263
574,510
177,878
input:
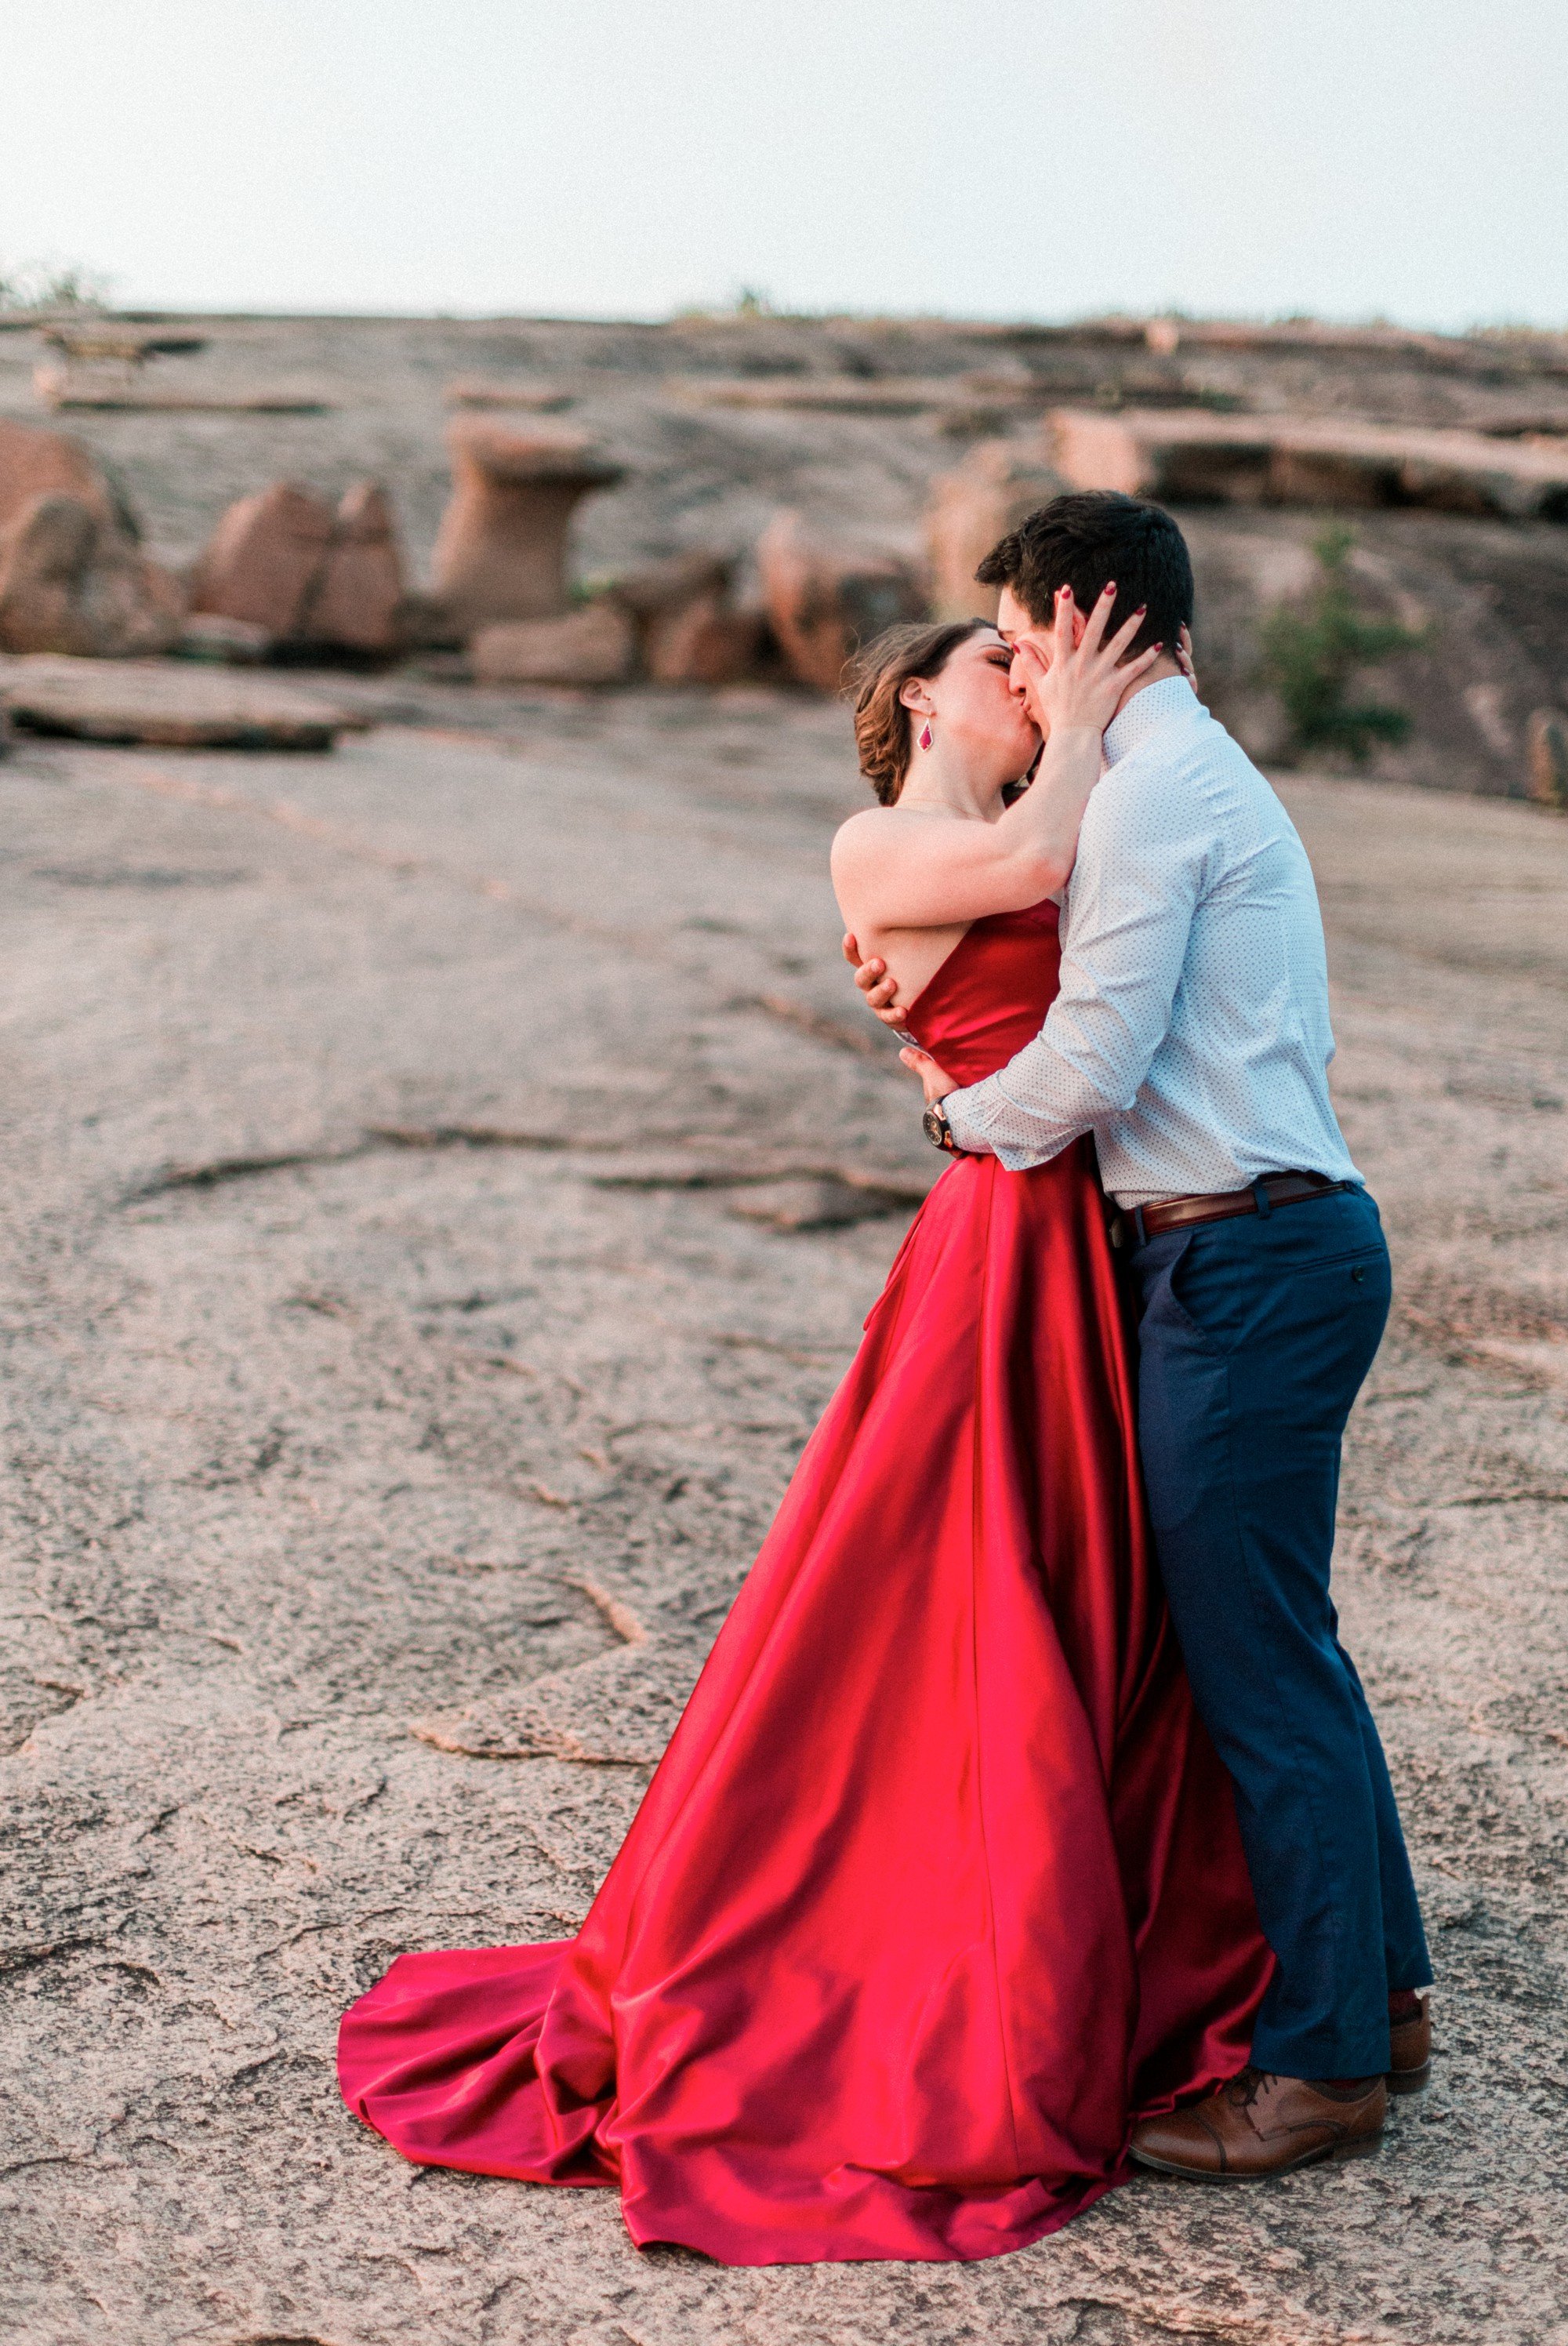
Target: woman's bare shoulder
x,y
871,830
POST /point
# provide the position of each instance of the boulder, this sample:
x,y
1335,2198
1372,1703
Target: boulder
x,y
657,592
313,579
501,553
688,630
990,493
1547,751
34,464
825,599
265,559
357,602
72,581
596,644
706,641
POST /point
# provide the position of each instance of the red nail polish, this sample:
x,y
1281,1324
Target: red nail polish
x,y
1141,610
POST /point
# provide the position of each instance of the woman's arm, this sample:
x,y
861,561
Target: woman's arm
x,y
919,868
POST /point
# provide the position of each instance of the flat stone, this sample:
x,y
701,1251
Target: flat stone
x,y
227,643
493,390
177,706
594,646
854,395
74,389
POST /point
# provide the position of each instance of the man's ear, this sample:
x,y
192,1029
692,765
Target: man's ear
x,y
1080,621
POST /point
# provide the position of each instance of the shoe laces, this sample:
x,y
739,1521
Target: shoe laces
x,y
1244,2090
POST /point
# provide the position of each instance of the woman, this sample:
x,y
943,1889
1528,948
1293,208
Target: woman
x,y
938,1885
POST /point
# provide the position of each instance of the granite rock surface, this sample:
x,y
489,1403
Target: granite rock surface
x,y
442,1184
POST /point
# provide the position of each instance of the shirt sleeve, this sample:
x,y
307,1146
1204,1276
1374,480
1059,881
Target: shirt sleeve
x,y
1140,872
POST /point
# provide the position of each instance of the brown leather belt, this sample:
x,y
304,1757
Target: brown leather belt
x,y
1131,1229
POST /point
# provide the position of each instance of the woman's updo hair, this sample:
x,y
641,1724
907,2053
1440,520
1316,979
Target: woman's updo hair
x,y
884,728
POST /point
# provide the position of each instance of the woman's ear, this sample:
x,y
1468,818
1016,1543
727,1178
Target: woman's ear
x,y
912,694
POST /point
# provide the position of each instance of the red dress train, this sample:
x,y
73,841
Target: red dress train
x,y
938,1884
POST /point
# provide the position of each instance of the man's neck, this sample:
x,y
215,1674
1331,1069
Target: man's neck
x,y
1163,669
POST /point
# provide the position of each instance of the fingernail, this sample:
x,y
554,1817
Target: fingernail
x,y
1110,587
1141,610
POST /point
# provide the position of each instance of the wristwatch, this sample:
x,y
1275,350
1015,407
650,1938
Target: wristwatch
x,y
938,1130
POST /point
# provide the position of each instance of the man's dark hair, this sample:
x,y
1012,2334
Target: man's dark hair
x,y
1084,540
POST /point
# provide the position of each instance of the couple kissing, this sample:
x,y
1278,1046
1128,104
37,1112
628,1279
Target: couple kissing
x,y
1028,1824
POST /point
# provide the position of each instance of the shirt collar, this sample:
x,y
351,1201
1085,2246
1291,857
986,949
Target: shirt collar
x,y
1173,696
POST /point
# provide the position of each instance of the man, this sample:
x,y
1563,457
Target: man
x,y
1191,1036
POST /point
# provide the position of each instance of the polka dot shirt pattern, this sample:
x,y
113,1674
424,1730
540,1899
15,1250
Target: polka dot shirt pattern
x,y
1191,1035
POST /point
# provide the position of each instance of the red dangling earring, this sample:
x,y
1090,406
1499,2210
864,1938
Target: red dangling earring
x,y
925,735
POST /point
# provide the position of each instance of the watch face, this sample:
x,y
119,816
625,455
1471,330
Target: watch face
x,y
936,1125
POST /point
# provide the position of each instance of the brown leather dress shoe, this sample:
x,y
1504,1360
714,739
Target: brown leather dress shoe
x,y
1410,2049
1261,2125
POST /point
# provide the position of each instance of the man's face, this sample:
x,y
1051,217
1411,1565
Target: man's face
x,y
1016,624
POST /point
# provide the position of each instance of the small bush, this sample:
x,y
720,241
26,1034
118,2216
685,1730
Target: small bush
x,y
1311,657
37,287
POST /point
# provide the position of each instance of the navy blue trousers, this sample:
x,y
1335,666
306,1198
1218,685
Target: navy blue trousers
x,y
1255,1335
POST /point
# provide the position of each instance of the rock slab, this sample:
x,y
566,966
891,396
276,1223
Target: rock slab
x,y
397,1388
1270,460
176,707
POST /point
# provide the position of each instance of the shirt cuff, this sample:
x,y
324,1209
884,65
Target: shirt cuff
x,y
963,1123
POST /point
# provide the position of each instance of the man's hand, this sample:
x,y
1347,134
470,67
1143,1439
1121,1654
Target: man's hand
x,y
879,988
935,1085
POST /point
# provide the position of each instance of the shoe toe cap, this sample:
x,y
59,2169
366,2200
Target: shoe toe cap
x,y
1178,2139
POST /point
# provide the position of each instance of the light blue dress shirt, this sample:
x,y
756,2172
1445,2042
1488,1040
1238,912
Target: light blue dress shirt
x,y
1191,1035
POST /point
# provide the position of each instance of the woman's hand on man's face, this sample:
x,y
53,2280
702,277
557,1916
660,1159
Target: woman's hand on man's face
x,y
1077,677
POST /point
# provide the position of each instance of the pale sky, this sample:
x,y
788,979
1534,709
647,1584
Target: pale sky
x,y
1350,158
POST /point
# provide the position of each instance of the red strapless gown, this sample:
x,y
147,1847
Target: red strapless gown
x,y
938,1885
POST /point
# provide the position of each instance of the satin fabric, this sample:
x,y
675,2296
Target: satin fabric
x,y
938,1884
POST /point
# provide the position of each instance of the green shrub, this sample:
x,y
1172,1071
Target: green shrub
x,y
1312,654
